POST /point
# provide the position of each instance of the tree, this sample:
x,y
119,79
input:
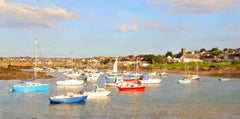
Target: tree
x,y
225,49
215,51
179,55
203,50
152,58
169,53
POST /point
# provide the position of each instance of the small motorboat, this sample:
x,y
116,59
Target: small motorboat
x,y
224,79
97,92
68,98
131,87
163,74
184,81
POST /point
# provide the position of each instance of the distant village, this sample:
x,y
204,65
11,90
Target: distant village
x,y
203,55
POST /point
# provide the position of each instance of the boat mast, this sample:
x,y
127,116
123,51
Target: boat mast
x,y
72,56
197,68
36,50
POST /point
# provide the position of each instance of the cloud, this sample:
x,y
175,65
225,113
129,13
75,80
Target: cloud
x,y
196,6
128,29
24,16
158,26
184,28
232,27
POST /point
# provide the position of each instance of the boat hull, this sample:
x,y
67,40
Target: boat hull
x,y
68,100
131,88
97,94
30,88
223,79
184,81
150,81
130,80
69,83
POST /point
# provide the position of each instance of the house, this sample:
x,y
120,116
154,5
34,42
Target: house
x,y
190,58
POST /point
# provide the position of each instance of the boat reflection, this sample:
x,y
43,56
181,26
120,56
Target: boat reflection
x,y
31,92
99,99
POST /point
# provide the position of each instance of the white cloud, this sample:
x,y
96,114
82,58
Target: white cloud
x,y
24,16
158,26
196,6
184,28
128,29
232,27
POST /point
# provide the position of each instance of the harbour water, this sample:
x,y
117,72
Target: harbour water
x,y
208,98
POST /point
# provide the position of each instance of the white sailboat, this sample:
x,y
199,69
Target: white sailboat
x,y
71,82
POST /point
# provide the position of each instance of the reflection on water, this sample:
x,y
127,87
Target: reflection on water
x,y
208,98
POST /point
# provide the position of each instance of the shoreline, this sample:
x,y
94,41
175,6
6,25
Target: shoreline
x,y
15,73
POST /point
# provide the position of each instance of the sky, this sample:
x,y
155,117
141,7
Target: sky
x,y
116,27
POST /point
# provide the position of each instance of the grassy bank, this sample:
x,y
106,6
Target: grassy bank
x,y
216,69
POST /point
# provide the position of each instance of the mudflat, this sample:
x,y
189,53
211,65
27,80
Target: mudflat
x,y
14,73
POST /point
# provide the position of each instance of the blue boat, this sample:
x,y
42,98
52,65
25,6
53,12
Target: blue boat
x,y
224,79
30,84
111,78
68,98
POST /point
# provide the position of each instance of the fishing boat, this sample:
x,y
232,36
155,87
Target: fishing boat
x,y
224,79
30,84
97,92
68,98
131,87
149,80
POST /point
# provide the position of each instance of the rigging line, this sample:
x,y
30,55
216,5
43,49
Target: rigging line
x,y
43,62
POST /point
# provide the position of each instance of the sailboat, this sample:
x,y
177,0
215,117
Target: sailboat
x,y
30,84
71,81
194,77
114,73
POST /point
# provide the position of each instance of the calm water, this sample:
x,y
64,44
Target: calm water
x,y
208,98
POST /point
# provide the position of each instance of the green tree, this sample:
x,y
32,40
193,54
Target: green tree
x,y
203,50
215,51
179,55
169,53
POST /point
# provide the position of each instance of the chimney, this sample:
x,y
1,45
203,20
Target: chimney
x,y
183,51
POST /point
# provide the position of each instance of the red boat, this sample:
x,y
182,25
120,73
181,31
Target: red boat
x,y
131,87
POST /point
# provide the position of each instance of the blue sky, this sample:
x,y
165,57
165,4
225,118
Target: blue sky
x,y
116,27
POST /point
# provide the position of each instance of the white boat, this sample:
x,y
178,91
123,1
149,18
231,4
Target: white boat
x,y
70,82
163,74
73,74
149,80
184,81
97,92
117,81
